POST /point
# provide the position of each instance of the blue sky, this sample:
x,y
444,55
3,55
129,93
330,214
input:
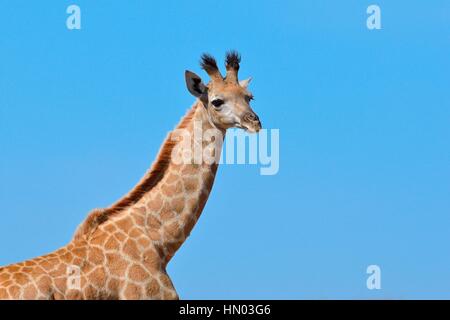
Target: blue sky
x,y
364,138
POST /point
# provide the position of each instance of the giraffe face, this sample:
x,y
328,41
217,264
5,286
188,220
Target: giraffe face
x,y
226,99
229,106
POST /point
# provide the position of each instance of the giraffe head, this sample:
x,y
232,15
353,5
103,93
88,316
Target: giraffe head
x,y
226,99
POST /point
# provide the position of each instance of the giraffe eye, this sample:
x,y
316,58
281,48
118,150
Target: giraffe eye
x,y
217,102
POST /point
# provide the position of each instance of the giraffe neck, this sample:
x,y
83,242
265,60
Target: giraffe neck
x,y
122,251
172,207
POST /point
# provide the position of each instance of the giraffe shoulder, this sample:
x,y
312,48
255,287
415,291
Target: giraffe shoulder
x,y
90,224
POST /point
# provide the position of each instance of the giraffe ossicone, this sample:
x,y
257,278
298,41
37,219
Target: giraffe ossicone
x,y
121,252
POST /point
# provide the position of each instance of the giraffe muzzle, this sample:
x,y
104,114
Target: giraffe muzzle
x,y
251,122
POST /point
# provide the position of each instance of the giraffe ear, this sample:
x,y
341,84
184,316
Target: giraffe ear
x,y
245,83
194,84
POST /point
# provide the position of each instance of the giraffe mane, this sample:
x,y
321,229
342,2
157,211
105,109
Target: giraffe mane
x,y
151,178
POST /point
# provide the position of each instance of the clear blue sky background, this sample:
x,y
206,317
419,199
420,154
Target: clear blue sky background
x,y
364,126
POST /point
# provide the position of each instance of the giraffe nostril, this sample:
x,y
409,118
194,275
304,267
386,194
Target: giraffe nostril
x,y
251,117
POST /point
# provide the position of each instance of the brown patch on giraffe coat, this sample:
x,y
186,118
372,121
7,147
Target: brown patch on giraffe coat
x,y
14,291
140,220
112,243
74,295
7,283
178,204
190,169
4,276
153,222
140,210
99,238
87,266
133,292
167,214
130,249
172,178
49,264
152,289
77,261
13,268
173,230
137,273
61,284
143,242
98,277
190,184
120,236
192,204
58,296
116,264
151,259
60,269
134,232
30,263
95,256
67,257
110,228
90,292
29,292
167,205
20,278
124,224
38,270
3,294
155,204
27,269
113,285
81,251
154,235
176,167
171,190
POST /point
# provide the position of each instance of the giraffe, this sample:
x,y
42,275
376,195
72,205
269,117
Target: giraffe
x,y
121,252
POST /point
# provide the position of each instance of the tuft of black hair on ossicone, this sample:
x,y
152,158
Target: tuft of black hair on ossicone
x,y
233,58
208,63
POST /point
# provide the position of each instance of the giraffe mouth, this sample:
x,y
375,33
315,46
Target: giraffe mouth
x,y
250,128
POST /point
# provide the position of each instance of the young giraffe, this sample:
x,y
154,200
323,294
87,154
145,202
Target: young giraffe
x,y
121,252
